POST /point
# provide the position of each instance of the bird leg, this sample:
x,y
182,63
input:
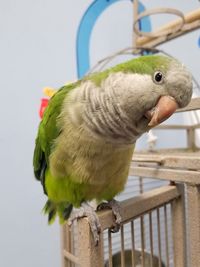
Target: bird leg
x,y
116,209
87,211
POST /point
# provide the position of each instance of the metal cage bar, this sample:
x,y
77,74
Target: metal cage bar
x,y
193,199
166,236
179,229
133,244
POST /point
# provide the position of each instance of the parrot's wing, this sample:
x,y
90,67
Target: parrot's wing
x,y
48,131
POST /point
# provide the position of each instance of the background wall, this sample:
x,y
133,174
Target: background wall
x,y
37,49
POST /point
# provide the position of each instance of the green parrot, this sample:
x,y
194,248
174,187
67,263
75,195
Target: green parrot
x,y
86,138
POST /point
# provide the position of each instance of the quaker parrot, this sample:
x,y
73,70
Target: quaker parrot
x,y
86,138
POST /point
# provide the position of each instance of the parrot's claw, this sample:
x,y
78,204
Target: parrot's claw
x,y
87,211
116,209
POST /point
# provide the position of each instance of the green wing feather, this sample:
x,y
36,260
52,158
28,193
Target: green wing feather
x,y
48,131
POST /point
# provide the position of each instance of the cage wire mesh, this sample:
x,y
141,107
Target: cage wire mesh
x,y
150,233
145,241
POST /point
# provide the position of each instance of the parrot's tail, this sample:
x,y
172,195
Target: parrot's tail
x,y
52,209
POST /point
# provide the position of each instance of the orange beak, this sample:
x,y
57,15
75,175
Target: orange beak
x,y
165,107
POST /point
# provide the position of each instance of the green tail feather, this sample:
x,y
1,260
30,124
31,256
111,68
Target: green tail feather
x,y
63,211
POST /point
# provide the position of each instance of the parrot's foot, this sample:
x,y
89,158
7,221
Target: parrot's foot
x,y
116,209
87,211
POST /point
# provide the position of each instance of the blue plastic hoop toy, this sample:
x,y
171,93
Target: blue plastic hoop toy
x,y
85,29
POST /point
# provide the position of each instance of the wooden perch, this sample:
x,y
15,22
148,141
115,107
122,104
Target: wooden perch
x,y
192,22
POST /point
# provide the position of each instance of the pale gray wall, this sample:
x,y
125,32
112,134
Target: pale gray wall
x,y
37,48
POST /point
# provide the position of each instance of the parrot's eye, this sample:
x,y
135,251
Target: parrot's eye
x,y
158,77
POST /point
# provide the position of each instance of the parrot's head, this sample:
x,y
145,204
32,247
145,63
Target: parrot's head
x,y
144,92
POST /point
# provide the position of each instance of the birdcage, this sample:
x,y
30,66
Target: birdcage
x,y
161,223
